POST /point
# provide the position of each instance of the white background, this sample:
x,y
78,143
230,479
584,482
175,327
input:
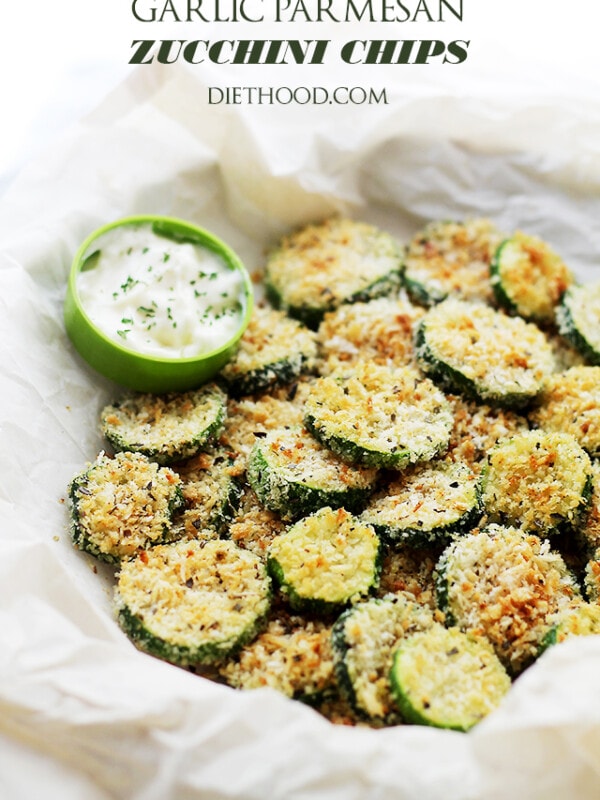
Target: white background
x,y
59,58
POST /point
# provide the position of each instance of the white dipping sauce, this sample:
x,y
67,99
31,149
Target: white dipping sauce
x,y
161,297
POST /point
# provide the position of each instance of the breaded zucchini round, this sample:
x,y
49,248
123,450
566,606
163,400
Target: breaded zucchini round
x,y
193,602
451,259
379,416
504,584
474,350
447,678
292,655
529,278
325,560
570,403
576,619
541,482
294,475
578,318
426,505
364,639
211,493
165,428
273,351
338,261
380,331
123,504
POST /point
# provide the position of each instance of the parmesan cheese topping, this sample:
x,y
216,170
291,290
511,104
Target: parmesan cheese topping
x,y
124,503
193,593
503,584
381,409
380,331
160,297
537,480
532,276
453,258
327,556
169,427
371,632
272,338
497,353
322,265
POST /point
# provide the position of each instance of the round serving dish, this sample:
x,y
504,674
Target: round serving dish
x,y
126,365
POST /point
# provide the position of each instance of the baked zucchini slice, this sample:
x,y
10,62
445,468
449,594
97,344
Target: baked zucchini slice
x,y
451,259
576,619
529,278
570,403
380,331
504,584
319,267
446,678
325,561
483,353
294,475
193,602
292,655
364,639
578,318
165,428
274,350
123,504
426,505
211,492
541,482
379,416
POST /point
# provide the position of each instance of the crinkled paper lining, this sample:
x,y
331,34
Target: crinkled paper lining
x,y
82,713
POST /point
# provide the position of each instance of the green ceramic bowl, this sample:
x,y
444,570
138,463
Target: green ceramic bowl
x,y
131,368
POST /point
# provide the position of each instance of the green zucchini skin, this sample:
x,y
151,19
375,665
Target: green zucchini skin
x,y
428,665
141,436
294,499
401,531
268,377
355,453
312,316
568,326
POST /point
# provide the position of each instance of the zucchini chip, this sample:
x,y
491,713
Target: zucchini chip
x,y
322,266
378,416
211,493
451,259
541,482
426,505
380,331
576,619
570,403
325,561
504,584
193,602
485,354
292,656
294,475
274,350
166,429
123,504
364,639
578,318
529,278
447,679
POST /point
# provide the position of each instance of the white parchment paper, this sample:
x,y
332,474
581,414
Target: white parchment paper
x,y
82,713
